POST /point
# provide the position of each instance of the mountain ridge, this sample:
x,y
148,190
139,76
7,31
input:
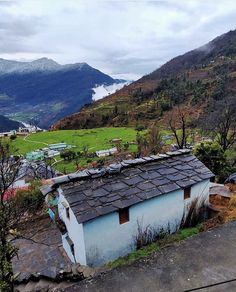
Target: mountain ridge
x,y
45,91
196,79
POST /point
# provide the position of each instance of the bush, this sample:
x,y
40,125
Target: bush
x,y
148,234
139,128
30,199
13,137
194,215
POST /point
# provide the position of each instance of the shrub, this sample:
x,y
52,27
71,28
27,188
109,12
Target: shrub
x,y
194,214
148,234
139,128
30,199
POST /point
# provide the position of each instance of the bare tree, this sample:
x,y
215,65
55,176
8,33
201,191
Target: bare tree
x,y
226,126
8,173
151,142
178,125
222,123
154,139
12,211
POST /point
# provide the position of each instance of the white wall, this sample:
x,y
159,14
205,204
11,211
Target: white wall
x,y
75,232
106,240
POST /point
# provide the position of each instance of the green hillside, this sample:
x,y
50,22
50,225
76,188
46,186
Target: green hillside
x,y
94,139
197,81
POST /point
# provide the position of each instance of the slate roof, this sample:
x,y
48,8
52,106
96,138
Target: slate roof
x,y
97,192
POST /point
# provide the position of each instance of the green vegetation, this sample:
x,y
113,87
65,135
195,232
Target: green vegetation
x,y
31,198
95,139
154,247
92,139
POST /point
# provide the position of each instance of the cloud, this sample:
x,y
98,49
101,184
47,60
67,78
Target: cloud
x,y
116,36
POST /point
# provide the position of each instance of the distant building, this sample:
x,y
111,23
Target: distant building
x,y
7,134
29,129
59,146
35,155
108,152
101,208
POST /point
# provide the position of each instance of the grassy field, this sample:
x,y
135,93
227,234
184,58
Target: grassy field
x,y
94,139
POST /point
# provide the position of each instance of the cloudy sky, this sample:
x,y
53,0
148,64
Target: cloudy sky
x,y
119,37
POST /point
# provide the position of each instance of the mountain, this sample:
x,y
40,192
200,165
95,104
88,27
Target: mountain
x,y
8,125
197,80
43,91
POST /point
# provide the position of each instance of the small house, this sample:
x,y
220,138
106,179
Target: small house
x,y
108,152
36,155
102,209
58,146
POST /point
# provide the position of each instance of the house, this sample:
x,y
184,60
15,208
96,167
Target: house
x,y
28,129
7,134
108,152
59,146
101,208
36,155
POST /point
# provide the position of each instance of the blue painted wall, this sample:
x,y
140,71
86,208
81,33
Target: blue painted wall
x,y
105,239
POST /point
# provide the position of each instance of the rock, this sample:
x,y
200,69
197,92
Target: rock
x,y
86,271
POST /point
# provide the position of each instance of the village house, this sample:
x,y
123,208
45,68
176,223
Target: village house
x,y
107,152
102,208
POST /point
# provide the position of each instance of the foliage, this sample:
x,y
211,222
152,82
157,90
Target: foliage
x,y
213,156
194,213
68,155
30,199
139,128
149,142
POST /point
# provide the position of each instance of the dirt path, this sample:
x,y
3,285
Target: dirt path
x,y
205,259
32,141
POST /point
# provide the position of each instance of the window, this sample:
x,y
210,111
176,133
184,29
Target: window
x,y
68,212
124,215
187,193
72,249
71,244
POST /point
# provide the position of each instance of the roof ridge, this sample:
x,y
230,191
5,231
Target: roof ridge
x,y
113,168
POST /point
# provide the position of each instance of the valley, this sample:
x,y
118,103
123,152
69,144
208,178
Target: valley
x,y
45,91
92,140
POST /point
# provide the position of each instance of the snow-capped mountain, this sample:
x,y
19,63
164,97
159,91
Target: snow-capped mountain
x,y
44,91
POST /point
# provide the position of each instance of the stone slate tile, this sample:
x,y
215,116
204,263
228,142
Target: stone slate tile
x,y
129,192
145,186
168,188
130,202
112,199
186,158
131,171
149,175
153,193
149,167
100,193
75,198
167,171
83,217
93,203
205,175
118,186
183,167
142,195
185,183
117,204
133,180
160,181
88,192
176,176
82,206
102,210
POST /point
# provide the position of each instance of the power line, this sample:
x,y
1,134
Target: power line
x,y
209,286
